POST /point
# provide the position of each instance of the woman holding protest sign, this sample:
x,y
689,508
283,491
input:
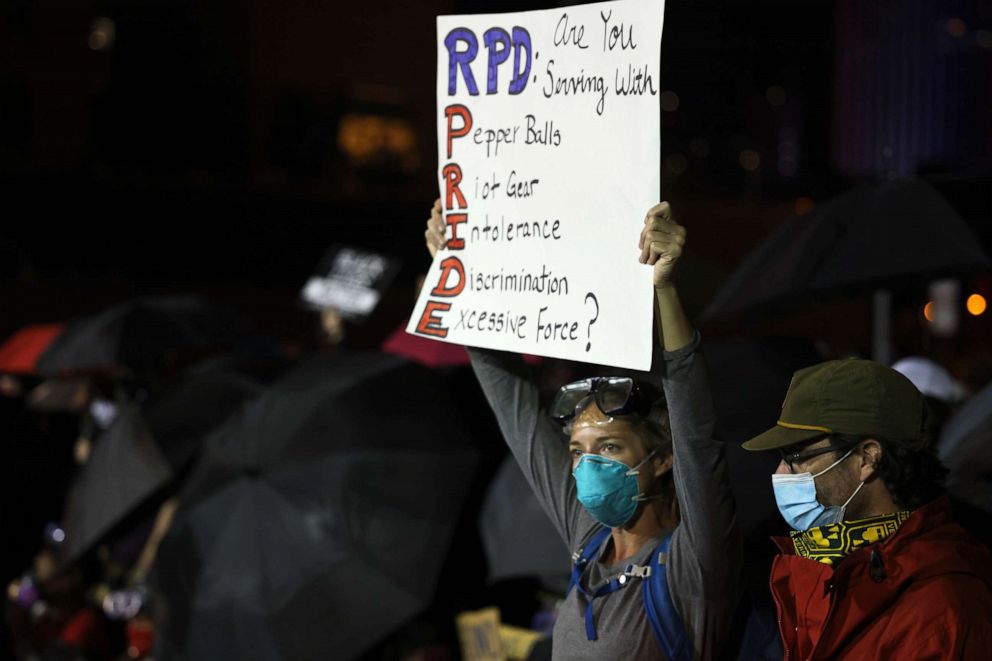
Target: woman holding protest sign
x,y
648,507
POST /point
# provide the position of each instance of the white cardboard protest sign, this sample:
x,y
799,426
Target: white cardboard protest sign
x,y
350,280
549,157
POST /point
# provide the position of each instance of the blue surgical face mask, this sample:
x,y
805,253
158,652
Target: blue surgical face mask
x,y
608,488
796,498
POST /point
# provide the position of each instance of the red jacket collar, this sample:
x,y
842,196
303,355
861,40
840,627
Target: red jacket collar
x,y
871,579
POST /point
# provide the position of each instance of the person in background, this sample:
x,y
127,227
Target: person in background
x,y
47,610
875,567
635,481
963,449
942,392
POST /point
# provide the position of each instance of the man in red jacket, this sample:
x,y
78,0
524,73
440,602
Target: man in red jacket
x,y
875,568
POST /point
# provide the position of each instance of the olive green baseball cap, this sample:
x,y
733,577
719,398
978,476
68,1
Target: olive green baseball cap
x,y
853,396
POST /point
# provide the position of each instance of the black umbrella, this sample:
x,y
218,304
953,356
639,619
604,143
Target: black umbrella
x,y
145,449
861,240
125,468
518,537
193,406
966,450
139,333
318,519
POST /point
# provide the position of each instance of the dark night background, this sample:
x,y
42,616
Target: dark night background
x,y
220,146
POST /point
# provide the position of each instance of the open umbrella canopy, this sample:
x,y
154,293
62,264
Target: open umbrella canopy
x,y
20,353
863,239
125,468
319,518
145,449
966,450
198,402
517,536
137,334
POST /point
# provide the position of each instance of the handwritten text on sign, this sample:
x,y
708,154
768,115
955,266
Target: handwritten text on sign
x,y
548,151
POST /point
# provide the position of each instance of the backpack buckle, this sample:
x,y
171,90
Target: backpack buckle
x,y
637,570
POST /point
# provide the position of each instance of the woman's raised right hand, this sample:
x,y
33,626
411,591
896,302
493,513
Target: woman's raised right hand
x,y
434,234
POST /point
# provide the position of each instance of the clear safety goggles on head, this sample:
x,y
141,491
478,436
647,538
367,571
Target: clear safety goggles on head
x,y
613,395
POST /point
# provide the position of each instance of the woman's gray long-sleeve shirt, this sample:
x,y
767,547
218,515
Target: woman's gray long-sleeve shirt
x,y
705,555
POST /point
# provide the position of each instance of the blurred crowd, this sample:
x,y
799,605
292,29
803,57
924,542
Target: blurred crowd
x,y
158,445
178,486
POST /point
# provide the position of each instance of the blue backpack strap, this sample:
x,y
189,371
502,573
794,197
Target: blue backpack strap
x,y
664,619
581,558
580,561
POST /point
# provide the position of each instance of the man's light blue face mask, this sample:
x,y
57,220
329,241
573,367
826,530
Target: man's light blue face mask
x,y
795,494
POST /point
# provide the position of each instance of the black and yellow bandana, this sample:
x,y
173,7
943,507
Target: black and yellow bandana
x,y
830,544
